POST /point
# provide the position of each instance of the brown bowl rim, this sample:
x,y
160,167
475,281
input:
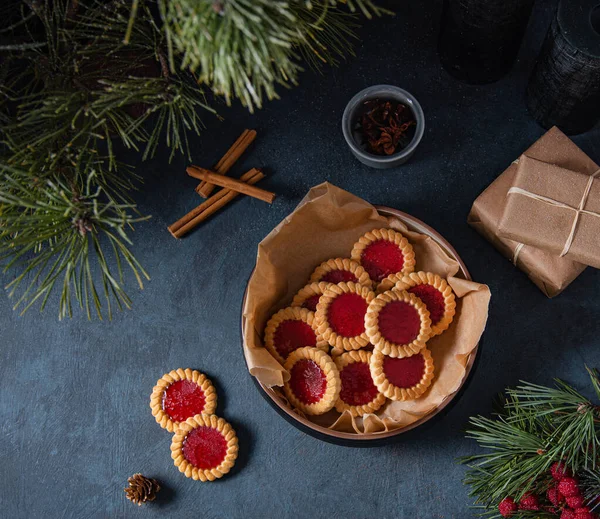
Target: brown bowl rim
x,y
415,224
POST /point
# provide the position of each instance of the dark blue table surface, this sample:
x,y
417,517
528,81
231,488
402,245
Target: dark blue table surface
x,y
75,421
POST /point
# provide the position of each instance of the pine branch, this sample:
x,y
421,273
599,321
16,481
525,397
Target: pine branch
x,y
48,230
79,75
590,480
245,49
536,427
65,205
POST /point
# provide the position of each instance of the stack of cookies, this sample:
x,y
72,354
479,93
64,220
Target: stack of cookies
x,y
356,334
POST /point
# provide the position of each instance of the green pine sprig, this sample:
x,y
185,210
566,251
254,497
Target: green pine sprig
x,y
66,211
57,232
79,76
590,480
536,427
246,49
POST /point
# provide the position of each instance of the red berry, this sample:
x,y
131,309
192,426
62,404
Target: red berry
x,y
567,513
559,470
554,496
584,513
508,507
568,487
529,502
576,502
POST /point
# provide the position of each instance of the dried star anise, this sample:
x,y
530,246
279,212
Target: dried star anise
x,y
386,126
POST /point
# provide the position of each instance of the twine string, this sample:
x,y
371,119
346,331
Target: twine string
x,y
516,253
578,210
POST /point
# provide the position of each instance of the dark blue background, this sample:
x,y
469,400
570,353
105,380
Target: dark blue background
x,y
75,421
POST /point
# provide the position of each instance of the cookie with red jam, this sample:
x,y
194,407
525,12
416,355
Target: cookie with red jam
x,y
397,323
382,252
341,313
404,378
181,394
204,447
338,270
358,394
314,383
430,288
289,329
309,295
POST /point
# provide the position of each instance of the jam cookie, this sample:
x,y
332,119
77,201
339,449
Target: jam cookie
x,y
340,270
314,383
308,296
402,378
341,313
289,329
204,447
383,252
397,323
181,394
358,394
430,288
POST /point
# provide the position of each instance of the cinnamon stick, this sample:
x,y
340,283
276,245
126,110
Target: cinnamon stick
x,y
230,183
185,224
204,189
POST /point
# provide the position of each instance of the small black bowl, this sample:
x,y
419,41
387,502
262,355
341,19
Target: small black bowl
x,y
353,110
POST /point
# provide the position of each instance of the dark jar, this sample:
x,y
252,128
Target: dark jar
x,y
564,88
479,39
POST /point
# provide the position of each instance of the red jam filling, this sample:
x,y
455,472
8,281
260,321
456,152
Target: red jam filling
x,y
382,258
311,303
399,322
433,299
357,384
346,315
183,399
406,372
337,276
308,381
205,448
291,335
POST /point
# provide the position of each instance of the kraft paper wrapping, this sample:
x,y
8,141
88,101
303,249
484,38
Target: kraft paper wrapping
x,y
544,222
551,273
326,224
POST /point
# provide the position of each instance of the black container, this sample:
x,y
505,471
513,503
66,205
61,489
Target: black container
x,y
564,88
480,39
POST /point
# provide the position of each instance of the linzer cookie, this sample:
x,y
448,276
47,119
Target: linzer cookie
x,y
290,329
204,447
554,209
383,252
341,313
358,394
314,383
402,378
398,323
309,295
181,394
340,270
432,290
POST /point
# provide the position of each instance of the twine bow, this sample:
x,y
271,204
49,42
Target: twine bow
x,y
578,210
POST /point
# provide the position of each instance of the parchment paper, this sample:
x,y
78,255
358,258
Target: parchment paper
x,y
325,225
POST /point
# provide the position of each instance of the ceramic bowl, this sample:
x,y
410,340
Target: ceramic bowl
x,y
353,111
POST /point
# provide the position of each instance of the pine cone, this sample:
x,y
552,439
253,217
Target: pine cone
x,y
141,489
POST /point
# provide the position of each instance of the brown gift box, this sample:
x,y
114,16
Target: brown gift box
x,y
555,209
551,273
